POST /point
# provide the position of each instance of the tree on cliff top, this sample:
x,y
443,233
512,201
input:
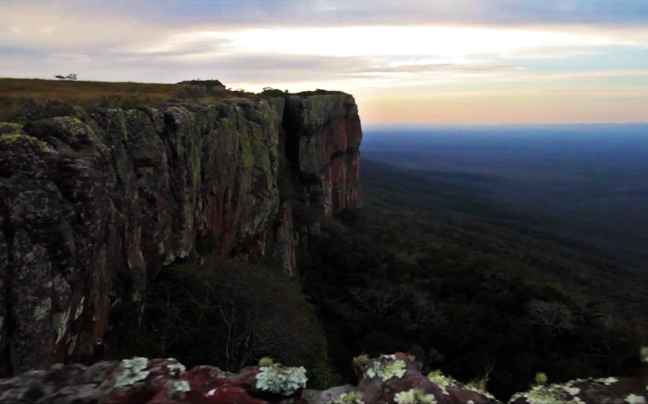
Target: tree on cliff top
x,y
211,84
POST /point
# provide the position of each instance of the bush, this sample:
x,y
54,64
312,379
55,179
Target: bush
x,y
231,314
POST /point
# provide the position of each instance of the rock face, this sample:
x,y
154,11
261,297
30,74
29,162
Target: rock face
x,y
93,204
390,379
324,140
387,379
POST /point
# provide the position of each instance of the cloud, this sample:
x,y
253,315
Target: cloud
x,y
425,66
376,49
59,27
296,13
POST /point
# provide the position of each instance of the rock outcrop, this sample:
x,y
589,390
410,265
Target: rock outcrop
x,y
390,379
93,204
324,140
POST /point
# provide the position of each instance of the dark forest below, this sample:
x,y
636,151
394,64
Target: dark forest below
x,y
463,292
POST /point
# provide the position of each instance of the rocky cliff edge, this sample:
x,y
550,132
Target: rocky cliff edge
x,y
95,203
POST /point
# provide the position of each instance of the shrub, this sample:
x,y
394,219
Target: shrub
x,y
231,314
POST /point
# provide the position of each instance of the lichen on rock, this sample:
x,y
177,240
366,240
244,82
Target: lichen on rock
x,y
414,396
180,386
10,128
386,367
643,354
281,380
635,399
441,380
131,371
353,397
552,394
175,367
607,380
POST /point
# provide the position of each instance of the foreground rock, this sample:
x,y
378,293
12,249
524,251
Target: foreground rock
x,y
606,390
140,380
391,379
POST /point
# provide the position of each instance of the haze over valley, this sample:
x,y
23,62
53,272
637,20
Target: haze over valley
x,y
587,182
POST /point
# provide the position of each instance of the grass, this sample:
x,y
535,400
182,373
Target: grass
x,y
481,382
105,94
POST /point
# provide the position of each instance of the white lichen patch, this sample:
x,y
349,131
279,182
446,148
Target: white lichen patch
x,y
643,354
281,380
607,380
354,397
41,311
387,367
131,371
59,324
414,396
79,309
361,360
553,394
635,399
178,386
517,395
441,380
571,390
175,366
482,392
572,382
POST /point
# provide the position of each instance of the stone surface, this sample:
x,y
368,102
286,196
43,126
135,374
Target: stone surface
x,y
390,379
166,381
94,204
325,135
628,390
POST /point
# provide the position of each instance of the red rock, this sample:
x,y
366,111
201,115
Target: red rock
x,y
95,203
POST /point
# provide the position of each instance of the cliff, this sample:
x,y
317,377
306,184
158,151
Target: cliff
x,y
95,203
324,138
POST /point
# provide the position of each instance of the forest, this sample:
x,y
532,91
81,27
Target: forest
x,y
427,267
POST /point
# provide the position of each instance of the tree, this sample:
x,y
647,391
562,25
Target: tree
x,y
378,297
229,314
420,311
69,77
554,316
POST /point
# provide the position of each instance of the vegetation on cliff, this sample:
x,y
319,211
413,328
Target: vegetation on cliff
x,y
16,95
230,314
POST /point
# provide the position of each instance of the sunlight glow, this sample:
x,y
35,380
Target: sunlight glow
x,y
443,41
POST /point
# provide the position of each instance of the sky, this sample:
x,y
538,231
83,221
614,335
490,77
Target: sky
x,y
417,61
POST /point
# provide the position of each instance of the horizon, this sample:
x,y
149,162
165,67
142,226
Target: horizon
x,y
441,62
434,125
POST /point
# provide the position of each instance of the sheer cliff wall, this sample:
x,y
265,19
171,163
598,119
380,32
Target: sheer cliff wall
x,y
94,204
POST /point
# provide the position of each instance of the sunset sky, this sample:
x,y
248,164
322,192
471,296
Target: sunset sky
x,y
459,61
